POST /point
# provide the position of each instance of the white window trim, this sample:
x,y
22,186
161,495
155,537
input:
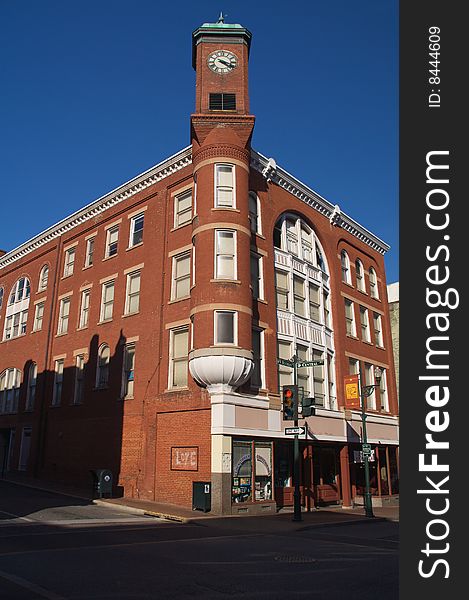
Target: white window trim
x,y
104,286
127,292
262,358
84,293
186,254
260,262
60,323
56,401
177,197
258,230
365,327
111,229
69,267
235,328
133,219
353,333
345,268
215,179
361,285
125,396
76,399
235,255
172,332
98,385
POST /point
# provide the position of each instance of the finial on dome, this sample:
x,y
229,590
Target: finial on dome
x,y
221,18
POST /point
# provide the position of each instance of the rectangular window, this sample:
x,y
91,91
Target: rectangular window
x,y
225,254
256,277
383,393
318,376
257,376
327,309
224,186
353,366
69,262
364,324
282,290
254,213
225,327
378,330
303,372
252,471
128,371
350,318
79,392
181,276
112,239
107,301
31,393
183,208
132,296
38,316
370,380
306,245
314,303
285,374
299,296
84,309
58,379
222,102
136,230
64,313
179,350
89,252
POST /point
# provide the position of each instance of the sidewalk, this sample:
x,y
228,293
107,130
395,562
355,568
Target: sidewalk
x,y
281,521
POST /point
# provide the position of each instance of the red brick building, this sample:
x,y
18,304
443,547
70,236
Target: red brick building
x,y
142,333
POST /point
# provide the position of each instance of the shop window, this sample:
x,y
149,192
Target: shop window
x,y
251,480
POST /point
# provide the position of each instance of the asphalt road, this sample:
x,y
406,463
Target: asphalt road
x,y
59,548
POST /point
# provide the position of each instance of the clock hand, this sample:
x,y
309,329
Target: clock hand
x,y
227,64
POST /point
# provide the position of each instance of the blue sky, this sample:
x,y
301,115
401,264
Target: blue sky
x,y
96,92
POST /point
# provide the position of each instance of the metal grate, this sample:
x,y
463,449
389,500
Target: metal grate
x,y
222,102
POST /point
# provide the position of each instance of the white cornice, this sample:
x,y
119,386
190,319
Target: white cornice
x,y
163,169
269,169
176,162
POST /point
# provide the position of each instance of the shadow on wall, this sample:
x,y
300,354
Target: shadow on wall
x,y
69,421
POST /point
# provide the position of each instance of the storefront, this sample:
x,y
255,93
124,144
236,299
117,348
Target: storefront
x,y
321,476
252,472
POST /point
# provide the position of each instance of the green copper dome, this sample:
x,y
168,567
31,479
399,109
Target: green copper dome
x,y
225,31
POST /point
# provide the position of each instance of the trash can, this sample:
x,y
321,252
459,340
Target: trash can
x,y
102,482
201,495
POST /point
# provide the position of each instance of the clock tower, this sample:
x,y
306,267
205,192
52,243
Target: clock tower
x,y
221,358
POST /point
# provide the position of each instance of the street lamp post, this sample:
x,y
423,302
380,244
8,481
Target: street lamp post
x,y
365,392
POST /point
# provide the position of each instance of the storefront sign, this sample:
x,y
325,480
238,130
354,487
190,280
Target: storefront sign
x,y
184,459
352,397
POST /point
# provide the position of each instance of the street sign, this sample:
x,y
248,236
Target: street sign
x,y
286,363
309,363
295,430
366,449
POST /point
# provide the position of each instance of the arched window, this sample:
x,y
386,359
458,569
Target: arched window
x,y
31,393
255,213
303,308
10,381
102,371
360,275
16,315
374,292
345,265
43,278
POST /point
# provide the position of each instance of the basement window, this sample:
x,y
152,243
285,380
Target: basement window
x,y
222,101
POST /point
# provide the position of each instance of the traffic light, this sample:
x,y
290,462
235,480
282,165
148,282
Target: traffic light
x,y
290,402
309,409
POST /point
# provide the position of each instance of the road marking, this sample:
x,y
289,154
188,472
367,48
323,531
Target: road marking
x,y
4,512
32,587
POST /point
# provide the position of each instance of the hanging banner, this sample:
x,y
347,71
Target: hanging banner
x,y
352,397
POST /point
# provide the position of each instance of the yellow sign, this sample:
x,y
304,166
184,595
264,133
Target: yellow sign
x,y
352,398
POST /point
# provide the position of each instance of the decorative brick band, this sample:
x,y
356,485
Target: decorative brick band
x,y
217,150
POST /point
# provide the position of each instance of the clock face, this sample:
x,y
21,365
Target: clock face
x,y
222,61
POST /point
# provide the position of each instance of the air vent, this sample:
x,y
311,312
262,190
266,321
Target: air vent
x,y
222,102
